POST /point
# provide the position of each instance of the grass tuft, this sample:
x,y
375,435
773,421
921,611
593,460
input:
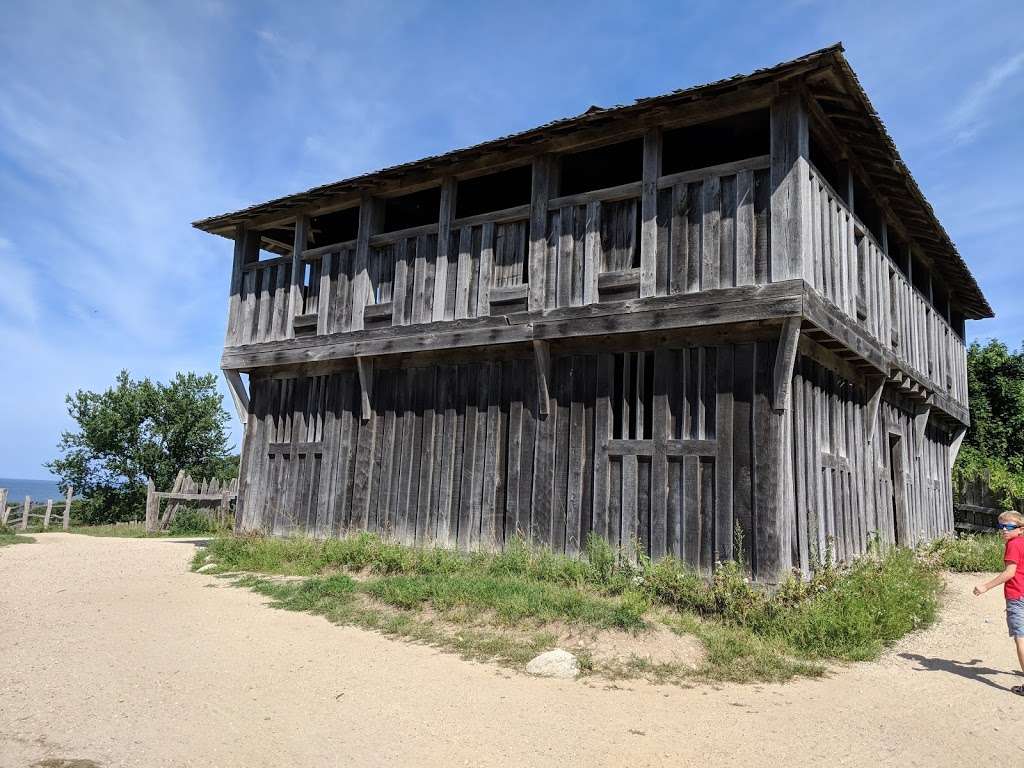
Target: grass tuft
x,y
970,553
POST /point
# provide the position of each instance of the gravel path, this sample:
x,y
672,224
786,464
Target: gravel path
x,y
113,652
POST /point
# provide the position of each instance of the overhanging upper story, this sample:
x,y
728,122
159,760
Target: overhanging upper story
x,y
751,200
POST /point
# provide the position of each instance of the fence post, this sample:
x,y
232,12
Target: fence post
x,y
46,517
3,506
24,513
67,508
152,507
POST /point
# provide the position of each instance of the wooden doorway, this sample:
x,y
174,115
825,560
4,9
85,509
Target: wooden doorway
x,y
898,498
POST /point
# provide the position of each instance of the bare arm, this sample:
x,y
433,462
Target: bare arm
x,y
1008,573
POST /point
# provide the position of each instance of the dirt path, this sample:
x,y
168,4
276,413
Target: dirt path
x,y
114,652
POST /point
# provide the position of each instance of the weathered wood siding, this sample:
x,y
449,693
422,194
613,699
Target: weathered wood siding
x,y
839,486
667,447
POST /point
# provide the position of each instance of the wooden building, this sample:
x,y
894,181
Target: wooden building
x,y
721,318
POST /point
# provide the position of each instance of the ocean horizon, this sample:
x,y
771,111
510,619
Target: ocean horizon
x,y
38,490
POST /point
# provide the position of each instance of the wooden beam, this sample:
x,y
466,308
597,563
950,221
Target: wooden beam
x,y
444,229
876,385
543,176
790,185
298,273
920,423
954,446
785,359
365,367
239,396
542,361
649,212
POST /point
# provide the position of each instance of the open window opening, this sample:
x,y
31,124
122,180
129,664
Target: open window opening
x,y
958,321
275,241
493,192
416,209
633,396
919,274
600,168
335,227
720,141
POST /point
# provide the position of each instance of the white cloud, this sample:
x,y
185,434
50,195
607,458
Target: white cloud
x,y
969,117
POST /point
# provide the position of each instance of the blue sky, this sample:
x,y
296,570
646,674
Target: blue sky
x,y
121,122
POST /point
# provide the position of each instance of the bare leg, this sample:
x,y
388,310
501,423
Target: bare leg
x,y
1019,642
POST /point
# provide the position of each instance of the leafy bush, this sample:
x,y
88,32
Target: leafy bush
x,y
192,522
972,553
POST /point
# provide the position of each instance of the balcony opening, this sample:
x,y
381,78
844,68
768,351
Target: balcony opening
x,y
335,227
866,209
603,167
416,209
274,242
899,254
720,141
920,274
493,192
958,321
940,299
828,169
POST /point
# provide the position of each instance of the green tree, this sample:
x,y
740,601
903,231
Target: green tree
x,y
994,444
140,430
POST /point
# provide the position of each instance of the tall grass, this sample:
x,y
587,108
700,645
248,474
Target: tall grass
x,y
848,614
972,553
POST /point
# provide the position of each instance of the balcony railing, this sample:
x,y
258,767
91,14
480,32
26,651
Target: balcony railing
x,y
850,269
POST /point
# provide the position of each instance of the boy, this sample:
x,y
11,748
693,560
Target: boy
x,y
1011,525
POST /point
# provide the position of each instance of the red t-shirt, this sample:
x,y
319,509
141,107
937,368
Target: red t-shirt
x,y
1014,588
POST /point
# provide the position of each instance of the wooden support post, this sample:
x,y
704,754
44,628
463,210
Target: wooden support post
x,y
67,508
24,513
3,506
876,385
790,186
49,511
298,273
444,237
238,394
542,361
370,217
649,213
244,253
785,359
920,423
954,446
543,172
152,507
365,367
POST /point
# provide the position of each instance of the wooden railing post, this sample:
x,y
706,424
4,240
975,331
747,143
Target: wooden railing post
x,y
649,213
444,229
67,508
298,274
370,219
543,181
3,506
49,511
152,506
24,513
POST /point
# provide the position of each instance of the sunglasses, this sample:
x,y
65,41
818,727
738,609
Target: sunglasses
x,y
1007,526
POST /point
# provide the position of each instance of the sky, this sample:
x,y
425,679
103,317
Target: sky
x,y
122,122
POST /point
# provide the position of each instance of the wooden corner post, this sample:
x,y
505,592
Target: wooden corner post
x,y
370,220
790,188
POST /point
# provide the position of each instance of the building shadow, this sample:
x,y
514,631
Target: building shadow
x,y
965,669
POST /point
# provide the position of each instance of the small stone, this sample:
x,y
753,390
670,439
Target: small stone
x,y
205,568
556,663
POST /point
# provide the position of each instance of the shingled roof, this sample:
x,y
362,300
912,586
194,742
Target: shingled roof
x,y
848,110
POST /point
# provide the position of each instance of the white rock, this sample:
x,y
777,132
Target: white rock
x,y
205,568
556,663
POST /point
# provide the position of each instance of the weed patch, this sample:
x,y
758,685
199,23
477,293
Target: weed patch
x,y
971,553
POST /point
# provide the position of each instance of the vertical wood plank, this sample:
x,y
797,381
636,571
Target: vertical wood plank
x,y
649,212
679,239
790,187
745,228
298,271
712,243
543,172
602,431
369,220
483,305
444,224
724,429
592,253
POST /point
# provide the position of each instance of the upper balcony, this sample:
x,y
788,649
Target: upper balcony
x,y
705,207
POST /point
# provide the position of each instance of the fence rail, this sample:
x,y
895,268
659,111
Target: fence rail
x,y
7,513
207,492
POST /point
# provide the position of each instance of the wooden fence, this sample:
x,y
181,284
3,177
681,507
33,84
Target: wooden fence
x,y
8,513
976,508
186,491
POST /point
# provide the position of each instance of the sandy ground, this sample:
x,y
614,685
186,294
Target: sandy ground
x,y
115,653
